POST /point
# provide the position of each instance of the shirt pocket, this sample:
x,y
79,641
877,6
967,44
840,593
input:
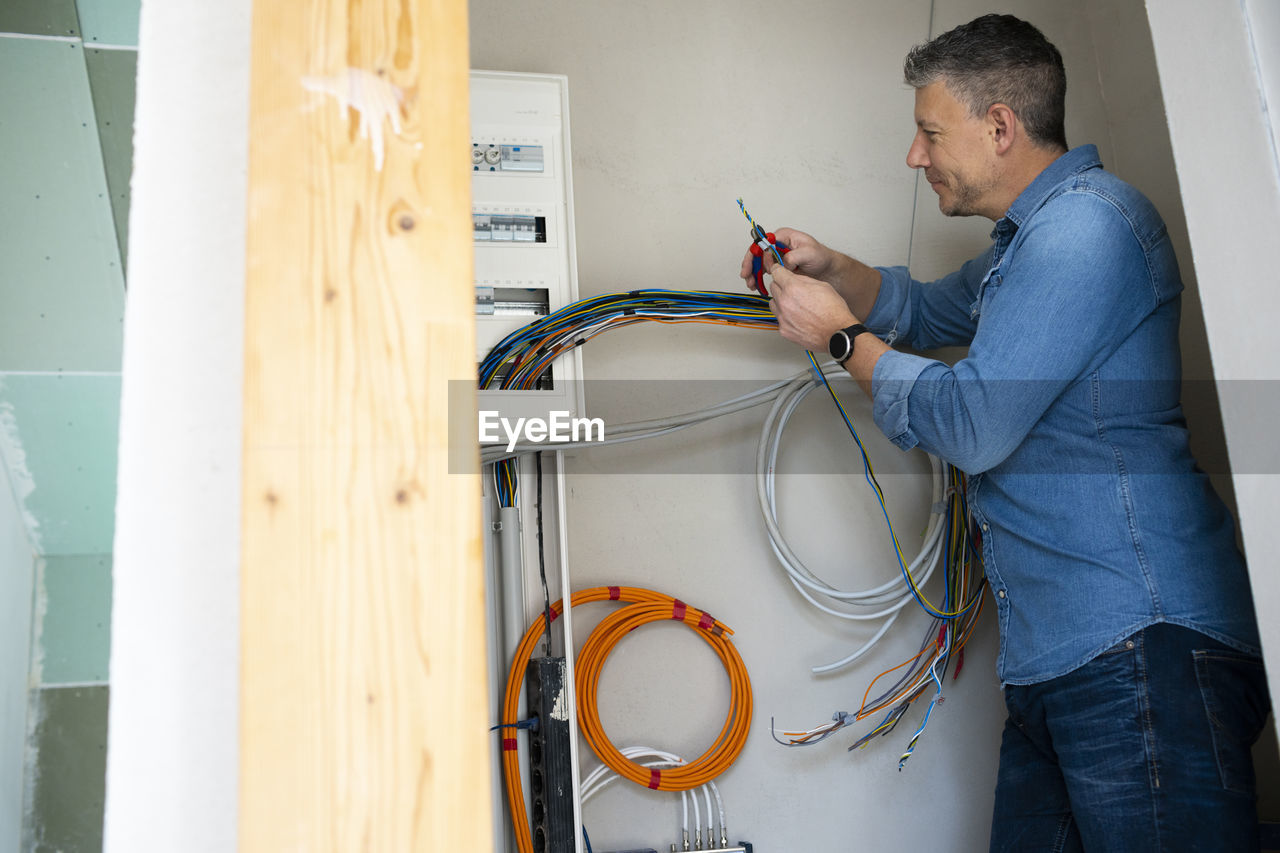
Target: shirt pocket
x,y
987,289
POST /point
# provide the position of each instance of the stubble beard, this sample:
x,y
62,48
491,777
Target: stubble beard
x,y
966,195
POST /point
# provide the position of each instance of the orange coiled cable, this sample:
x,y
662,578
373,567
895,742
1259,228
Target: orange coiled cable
x,y
644,606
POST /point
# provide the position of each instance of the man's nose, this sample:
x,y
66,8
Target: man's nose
x,y
916,157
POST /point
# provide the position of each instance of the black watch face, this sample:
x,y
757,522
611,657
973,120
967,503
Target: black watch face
x,y
839,346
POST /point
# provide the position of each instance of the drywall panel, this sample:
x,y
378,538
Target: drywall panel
x,y
39,17
75,634
17,580
1208,55
808,120
112,76
60,434
112,22
66,794
175,629
63,290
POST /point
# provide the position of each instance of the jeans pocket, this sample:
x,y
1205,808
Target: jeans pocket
x,y
1233,687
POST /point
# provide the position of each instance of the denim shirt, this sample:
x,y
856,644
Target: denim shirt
x,y
1095,520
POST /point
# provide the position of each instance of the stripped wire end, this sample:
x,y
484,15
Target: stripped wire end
x,y
840,719
888,724
759,236
911,747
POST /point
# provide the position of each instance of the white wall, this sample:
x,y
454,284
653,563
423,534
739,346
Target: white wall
x,y
676,110
174,742
1217,63
17,577
1264,41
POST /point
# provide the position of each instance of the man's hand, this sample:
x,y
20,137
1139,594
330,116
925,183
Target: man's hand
x,y
809,311
807,256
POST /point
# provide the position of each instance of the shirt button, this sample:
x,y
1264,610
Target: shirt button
x,y
985,528
1001,593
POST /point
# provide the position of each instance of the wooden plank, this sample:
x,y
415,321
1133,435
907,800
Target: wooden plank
x,y
363,705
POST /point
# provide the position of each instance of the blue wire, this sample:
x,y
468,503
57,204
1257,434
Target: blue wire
x,y
884,510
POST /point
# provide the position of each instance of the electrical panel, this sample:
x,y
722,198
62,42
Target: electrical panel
x,y
522,222
523,239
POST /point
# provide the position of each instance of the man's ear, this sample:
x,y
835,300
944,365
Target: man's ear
x,y
1004,126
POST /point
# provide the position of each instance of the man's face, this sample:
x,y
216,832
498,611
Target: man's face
x,y
955,151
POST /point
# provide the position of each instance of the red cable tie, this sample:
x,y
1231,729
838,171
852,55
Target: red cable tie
x,y
678,609
654,779
706,621
942,636
615,593
510,744
959,664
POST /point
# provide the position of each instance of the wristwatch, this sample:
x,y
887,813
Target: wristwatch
x,y
841,345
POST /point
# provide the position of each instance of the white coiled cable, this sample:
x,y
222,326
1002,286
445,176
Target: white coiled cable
x,y
888,598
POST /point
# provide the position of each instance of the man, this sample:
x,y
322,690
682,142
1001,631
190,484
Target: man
x,y
1129,648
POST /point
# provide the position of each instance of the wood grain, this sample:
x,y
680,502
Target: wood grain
x,y
363,696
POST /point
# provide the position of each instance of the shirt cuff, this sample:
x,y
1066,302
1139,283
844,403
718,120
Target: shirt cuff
x,y
894,376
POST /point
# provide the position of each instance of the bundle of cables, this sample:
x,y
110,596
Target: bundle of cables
x,y
643,606
599,778
524,355
944,640
949,541
520,359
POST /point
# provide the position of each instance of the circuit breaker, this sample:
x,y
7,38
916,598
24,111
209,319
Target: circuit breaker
x,y
522,223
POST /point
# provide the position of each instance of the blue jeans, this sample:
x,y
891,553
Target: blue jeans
x,y
1146,747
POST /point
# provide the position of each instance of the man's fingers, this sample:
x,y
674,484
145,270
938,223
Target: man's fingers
x,y
782,277
794,239
788,235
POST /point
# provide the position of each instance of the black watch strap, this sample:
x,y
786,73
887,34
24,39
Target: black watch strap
x,y
841,346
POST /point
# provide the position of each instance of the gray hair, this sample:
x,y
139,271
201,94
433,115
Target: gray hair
x,y
998,59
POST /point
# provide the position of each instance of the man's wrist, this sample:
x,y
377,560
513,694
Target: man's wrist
x,y
842,342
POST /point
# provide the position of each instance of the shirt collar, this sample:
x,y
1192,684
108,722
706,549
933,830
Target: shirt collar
x,y
1075,161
